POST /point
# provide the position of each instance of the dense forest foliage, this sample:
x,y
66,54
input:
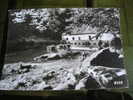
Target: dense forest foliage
x,y
35,26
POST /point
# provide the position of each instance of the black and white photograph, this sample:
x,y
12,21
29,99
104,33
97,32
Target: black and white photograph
x,y
64,49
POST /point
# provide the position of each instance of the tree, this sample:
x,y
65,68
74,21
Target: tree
x,y
60,22
53,22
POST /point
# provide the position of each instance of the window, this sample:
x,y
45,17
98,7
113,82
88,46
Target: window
x,y
89,37
88,43
66,38
75,43
79,38
73,38
79,43
85,43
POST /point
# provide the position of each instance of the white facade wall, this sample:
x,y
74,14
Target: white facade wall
x,y
77,37
80,41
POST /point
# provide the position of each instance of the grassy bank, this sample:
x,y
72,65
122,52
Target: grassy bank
x,y
25,55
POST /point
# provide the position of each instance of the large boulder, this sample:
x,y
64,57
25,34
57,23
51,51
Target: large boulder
x,y
103,57
108,59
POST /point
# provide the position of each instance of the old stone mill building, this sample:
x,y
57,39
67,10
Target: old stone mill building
x,y
81,42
